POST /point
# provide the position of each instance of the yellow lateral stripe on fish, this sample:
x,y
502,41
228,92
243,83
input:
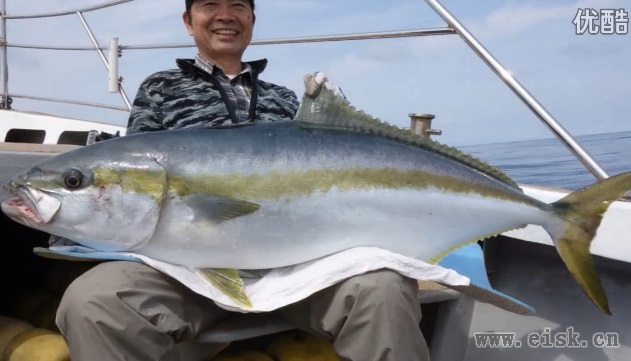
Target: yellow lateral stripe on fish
x,y
276,184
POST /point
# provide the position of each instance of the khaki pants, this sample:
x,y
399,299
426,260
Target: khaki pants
x,y
129,311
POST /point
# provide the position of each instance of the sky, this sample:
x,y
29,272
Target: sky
x,y
584,81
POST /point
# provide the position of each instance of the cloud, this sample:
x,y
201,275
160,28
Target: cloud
x,y
357,17
513,17
292,5
139,21
142,22
392,52
354,65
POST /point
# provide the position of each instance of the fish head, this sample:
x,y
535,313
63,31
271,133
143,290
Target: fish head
x,y
108,201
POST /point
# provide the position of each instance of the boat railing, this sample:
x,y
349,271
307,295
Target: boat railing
x,y
109,56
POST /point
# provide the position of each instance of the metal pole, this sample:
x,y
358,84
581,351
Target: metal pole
x,y
5,62
317,39
51,47
74,102
308,39
70,12
521,92
102,56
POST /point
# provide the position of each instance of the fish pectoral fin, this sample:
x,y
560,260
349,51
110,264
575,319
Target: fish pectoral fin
x,y
218,209
228,282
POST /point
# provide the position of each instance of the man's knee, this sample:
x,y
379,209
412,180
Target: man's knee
x,y
381,286
136,298
93,294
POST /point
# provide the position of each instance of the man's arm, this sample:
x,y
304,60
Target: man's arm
x,y
289,101
146,114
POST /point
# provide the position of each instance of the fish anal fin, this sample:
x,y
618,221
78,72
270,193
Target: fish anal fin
x,y
229,283
437,258
218,209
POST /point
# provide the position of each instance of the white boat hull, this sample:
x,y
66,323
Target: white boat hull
x,y
609,241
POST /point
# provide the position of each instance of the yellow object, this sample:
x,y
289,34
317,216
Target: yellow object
x,y
246,355
301,346
37,345
9,328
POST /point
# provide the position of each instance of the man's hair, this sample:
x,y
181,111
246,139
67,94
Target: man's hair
x,y
189,3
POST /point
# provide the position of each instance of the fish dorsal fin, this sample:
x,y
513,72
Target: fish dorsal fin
x,y
324,109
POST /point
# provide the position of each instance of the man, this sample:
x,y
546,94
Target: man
x,y
129,311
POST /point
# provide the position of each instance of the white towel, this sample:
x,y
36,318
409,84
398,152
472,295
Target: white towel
x,y
283,286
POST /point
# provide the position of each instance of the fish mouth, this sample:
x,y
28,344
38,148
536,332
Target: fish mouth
x,y
30,205
20,209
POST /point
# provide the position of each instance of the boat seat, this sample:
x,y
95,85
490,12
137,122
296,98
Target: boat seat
x,y
245,326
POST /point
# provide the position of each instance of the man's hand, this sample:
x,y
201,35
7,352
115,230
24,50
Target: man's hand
x,y
314,82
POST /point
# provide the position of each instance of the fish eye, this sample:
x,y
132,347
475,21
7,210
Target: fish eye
x,y
73,179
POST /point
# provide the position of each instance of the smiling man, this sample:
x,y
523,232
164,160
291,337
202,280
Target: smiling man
x,y
129,311
217,87
218,41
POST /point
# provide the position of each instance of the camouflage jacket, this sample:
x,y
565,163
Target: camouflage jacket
x,y
188,97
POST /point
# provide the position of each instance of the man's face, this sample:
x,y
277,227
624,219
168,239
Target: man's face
x,y
220,27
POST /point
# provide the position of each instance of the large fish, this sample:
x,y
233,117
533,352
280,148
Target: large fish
x,y
277,194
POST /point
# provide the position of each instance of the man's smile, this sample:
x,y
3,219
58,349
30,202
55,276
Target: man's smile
x,y
225,32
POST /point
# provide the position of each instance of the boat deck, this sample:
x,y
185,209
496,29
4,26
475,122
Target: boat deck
x,y
535,274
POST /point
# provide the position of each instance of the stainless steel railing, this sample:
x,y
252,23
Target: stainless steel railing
x,y
79,12
69,101
67,12
520,91
454,27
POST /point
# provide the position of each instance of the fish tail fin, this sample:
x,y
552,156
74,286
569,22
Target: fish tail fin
x,y
228,282
583,210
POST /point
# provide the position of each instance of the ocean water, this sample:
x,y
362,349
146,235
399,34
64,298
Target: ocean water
x,y
549,162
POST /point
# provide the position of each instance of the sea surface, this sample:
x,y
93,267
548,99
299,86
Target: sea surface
x,y
549,162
